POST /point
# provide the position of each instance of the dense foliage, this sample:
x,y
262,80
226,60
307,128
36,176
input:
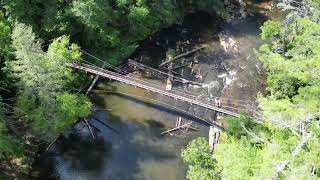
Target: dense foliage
x,y
261,152
42,107
35,84
202,164
109,28
286,145
42,78
293,66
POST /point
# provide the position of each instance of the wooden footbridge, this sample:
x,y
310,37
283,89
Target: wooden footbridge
x,y
229,107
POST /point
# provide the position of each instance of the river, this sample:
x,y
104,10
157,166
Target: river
x,y
134,147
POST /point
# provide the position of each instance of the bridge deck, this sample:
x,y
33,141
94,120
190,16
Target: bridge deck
x,y
154,88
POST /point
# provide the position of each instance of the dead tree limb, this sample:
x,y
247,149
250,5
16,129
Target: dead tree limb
x,y
180,56
49,146
313,173
176,128
147,68
89,127
254,135
108,109
280,167
181,66
301,144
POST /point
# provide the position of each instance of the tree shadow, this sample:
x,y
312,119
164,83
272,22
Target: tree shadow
x,y
76,153
110,155
166,109
136,144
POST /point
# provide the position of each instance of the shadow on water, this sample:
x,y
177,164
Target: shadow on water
x,y
163,108
247,27
155,124
92,152
75,153
198,27
109,156
137,142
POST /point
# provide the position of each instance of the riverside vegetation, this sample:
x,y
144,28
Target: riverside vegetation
x,y
285,145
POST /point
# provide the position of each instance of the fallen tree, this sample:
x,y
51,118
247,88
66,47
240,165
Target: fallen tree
x,y
180,56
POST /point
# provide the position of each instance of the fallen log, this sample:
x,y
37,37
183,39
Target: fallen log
x,y
104,109
192,128
180,56
181,66
170,70
282,165
49,146
176,128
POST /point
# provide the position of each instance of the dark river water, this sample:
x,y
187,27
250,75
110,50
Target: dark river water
x,y
134,149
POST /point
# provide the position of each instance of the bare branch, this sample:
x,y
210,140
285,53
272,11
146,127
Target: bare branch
x,y
281,166
254,134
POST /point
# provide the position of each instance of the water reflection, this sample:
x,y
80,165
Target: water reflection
x,y
76,157
137,145
128,154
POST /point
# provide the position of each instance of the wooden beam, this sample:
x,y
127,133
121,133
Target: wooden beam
x,y
176,128
180,56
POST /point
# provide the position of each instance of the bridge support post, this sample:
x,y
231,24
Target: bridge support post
x,y
214,137
95,80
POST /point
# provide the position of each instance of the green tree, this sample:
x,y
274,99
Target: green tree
x,y
70,108
271,29
108,28
262,151
293,76
43,77
5,56
202,165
